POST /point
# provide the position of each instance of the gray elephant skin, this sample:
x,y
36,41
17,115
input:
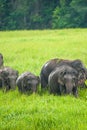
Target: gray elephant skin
x,y
63,80
28,83
8,77
50,65
1,60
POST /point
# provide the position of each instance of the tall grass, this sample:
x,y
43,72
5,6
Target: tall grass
x,y
28,51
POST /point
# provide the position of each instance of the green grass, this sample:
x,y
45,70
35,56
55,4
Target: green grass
x,y
28,51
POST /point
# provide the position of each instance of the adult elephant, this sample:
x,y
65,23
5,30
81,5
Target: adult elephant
x,y
63,79
50,65
47,68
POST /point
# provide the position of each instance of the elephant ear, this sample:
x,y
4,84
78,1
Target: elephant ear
x,y
61,77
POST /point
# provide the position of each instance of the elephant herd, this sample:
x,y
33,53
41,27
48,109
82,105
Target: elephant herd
x,y
58,76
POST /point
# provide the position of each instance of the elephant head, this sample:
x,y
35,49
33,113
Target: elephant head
x,y
9,77
27,82
31,83
70,83
82,71
68,78
11,81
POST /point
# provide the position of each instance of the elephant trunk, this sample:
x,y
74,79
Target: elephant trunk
x,y
34,88
69,88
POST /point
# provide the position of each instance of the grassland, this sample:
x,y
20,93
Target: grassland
x,y
28,51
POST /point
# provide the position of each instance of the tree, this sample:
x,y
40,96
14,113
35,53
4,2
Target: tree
x,y
62,15
80,7
4,12
39,14
71,14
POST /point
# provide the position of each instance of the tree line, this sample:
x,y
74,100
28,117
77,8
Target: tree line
x,y
42,14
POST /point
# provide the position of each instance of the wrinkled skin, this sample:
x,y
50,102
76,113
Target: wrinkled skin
x,y
79,66
63,80
49,66
8,78
27,82
1,60
1,79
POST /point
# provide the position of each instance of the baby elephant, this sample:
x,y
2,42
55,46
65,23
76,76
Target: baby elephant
x,y
64,79
27,82
8,77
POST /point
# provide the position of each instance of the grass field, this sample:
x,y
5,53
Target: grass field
x,y
28,51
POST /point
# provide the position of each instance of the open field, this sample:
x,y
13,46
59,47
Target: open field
x,y
28,51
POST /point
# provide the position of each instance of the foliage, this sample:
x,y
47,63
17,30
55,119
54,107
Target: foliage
x,y
38,14
28,51
71,15
81,8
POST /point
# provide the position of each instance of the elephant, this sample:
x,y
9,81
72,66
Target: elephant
x,y
1,60
50,65
8,78
63,79
27,82
47,68
1,79
82,70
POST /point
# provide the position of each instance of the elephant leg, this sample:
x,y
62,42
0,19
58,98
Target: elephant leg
x,y
3,85
62,89
7,87
53,88
75,92
43,83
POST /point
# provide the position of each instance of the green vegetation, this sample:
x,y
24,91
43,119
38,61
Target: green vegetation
x,y
28,51
42,14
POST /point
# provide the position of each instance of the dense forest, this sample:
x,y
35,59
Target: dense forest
x,y
42,14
